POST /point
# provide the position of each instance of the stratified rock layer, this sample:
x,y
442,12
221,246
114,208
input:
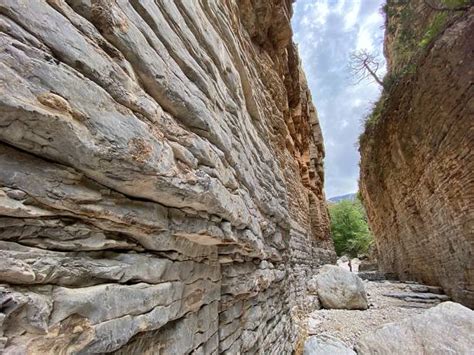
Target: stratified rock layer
x,y
417,166
160,177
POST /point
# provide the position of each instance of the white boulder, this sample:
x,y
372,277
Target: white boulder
x,y
340,289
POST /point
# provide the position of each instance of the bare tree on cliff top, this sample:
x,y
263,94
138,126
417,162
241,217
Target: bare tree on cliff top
x,y
365,65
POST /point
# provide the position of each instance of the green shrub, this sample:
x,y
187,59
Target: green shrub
x,y
375,113
435,27
389,81
349,228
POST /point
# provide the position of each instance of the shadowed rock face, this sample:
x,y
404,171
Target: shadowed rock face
x,y
160,177
417,166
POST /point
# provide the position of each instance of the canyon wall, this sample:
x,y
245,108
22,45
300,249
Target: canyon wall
x,y
161,175
417,153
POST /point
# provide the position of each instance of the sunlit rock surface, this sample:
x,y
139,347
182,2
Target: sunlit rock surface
x,y
160,177
417,166
444,329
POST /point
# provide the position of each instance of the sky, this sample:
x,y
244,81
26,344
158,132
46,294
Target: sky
x,y
327,31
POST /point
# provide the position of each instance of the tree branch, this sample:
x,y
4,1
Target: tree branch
x,y
374,75
364,65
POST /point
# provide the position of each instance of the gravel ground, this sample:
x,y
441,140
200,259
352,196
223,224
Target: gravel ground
x,y
348,325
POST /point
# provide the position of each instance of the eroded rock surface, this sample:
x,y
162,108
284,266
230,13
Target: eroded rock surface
x,y
444,329
417,156
160,177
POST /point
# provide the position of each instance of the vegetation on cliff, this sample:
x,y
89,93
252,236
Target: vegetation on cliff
x,y
409,37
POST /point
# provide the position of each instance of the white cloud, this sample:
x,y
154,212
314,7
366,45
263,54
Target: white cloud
x,y
327,31
364,40
367,33
350,17
316,13
338,6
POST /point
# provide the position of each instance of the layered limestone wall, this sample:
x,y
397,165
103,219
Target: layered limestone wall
x,y
417,166
160,177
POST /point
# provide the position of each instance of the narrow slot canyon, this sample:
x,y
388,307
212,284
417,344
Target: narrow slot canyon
x,y
165,187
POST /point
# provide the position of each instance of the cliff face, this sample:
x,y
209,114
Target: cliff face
x,y
417,165
160,177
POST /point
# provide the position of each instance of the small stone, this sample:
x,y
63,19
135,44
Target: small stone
x,y
78,329
16,194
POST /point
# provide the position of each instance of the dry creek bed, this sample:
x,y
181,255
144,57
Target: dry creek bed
x,y
349,325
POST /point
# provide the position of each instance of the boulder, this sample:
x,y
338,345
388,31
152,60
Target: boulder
x,y
445,329
340,289
325,345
